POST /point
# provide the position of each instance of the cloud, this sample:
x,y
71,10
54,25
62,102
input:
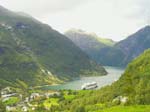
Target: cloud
x,y
139,9
126,8
109,18
145,10
41,7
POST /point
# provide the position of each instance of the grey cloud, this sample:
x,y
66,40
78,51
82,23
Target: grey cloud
x,y
133,9
39,7
145,10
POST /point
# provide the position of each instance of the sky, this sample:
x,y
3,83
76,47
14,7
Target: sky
x,y
115,19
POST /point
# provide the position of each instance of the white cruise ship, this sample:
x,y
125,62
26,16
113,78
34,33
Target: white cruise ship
x,y
92,85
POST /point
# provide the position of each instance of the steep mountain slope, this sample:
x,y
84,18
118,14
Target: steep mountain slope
x,y
135,44
119,54
17,63
126,50
36,54
90,43
111,56
134,83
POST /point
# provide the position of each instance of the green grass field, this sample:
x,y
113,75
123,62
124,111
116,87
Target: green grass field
x,y
51,102
138,108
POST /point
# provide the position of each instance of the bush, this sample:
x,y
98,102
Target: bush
x,y
2,107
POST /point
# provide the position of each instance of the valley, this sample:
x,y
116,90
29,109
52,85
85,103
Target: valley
x,y
108,52
43,70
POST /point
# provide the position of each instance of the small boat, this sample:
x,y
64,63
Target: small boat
x,y
87,86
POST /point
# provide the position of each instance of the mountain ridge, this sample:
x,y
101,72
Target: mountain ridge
x,y
115,54
90,43
125,50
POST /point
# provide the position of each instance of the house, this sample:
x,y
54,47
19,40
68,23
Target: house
x,y
24,108
121,99
20,25
34,96
2,24
7,96
8,28
124,99
43,71
10,109
47,95
26,99
6,91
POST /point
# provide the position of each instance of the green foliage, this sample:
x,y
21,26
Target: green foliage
x,y
79,104
11,101
137,108
78,109
51,102
2,107
108,42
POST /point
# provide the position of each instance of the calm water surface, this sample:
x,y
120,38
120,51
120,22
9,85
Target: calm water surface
x,y
113,74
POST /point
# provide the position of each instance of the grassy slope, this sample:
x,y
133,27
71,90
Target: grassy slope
x,y
134,84
66,103
107,42
137,108
18,63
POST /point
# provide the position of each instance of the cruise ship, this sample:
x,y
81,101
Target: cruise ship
x,y
87,86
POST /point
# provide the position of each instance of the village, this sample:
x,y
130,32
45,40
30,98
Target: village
x,y
18,25
16,101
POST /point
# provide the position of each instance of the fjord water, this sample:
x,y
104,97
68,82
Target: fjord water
x,y
113,74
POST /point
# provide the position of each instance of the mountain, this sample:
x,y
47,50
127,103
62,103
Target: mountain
x,y
135,82
135,44
33,53
90,43
109,53
126,50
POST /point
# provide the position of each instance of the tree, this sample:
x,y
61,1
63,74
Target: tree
x,y
79,109
2,107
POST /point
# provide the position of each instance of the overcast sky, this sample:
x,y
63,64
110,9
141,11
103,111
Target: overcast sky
x,y
115,19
